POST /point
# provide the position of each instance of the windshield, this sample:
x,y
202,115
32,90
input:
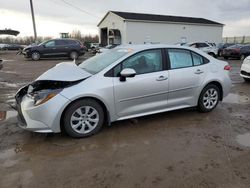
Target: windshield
x,y
99,62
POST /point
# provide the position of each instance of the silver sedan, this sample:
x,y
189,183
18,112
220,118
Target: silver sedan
x,y
125,82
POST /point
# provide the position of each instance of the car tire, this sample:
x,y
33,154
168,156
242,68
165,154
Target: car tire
x,y
242,57
220,54
247,79
35,56
209,98
212,54
83,118
73,55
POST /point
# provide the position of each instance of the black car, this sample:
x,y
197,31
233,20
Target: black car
x,y
12,47
222,46
55,48
236,51
244,52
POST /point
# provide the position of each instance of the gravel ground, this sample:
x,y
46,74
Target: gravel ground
x,y
176,149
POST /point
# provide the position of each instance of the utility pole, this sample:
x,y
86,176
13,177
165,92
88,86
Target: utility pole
x,y
33,20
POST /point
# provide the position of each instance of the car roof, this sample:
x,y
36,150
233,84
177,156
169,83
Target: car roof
x,y
65,39
150,46
141,47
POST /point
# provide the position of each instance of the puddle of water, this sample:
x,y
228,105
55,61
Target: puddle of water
x,y
244,139
9,163
11,101
9,72
9,96
5,115
23,178
236,99
7,154
6,84
6,60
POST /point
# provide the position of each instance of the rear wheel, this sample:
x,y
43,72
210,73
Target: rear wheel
x,y
35,56
73,55
209,98
83,118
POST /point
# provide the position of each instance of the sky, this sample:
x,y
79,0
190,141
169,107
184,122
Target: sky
x,y
55,16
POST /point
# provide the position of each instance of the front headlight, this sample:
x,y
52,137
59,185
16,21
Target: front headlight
x,y
43,96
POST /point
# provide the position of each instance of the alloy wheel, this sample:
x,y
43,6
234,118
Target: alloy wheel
x,y
210,98
73,55
35,56
242,57
84,119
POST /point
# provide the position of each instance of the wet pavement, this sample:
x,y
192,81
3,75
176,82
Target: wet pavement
x,y
176,149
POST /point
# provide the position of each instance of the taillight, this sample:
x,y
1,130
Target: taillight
x,y
227,68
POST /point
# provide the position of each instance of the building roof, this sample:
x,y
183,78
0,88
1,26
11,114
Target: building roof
x,y
164,18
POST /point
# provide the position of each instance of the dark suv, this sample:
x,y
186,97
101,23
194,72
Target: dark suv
x,y
55,48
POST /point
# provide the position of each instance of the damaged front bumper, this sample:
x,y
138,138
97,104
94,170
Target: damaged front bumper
x,y
45,117
26,54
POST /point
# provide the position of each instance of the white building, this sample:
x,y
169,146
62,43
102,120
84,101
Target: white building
x,y
125,28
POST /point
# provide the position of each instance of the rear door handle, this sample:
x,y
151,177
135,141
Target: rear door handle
x,y
161,78
198,71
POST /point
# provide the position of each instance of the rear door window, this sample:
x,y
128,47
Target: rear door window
x,y
60,43
71,42
180,58
197,59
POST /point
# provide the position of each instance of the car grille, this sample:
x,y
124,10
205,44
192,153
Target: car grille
x,y
245,73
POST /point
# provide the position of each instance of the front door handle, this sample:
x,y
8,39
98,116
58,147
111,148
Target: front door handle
x,y
198,71
161,78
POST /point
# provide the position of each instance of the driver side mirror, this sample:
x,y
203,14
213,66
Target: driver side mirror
x,y
127,73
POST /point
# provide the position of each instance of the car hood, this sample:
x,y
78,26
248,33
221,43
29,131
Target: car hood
x,y
66,71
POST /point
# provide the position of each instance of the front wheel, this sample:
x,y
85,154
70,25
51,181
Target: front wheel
x,y
209,98
83,118
73,55
35,56
242,57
